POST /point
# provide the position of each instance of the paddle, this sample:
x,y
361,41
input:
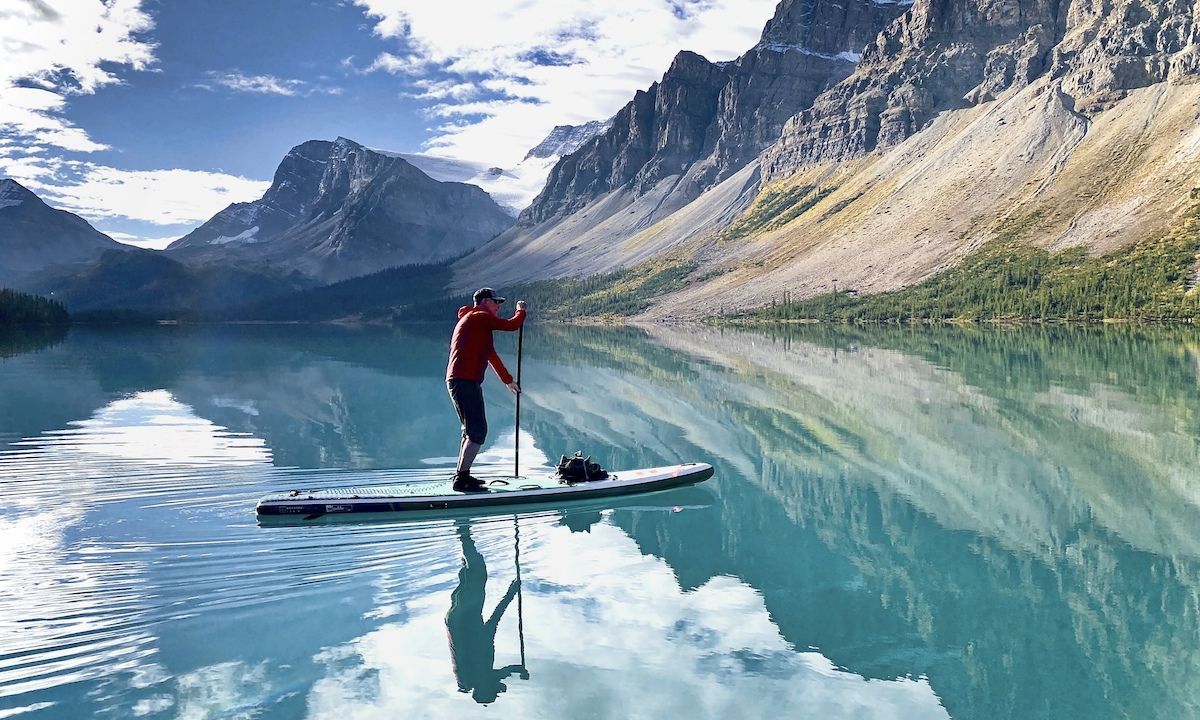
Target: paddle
x,y
517,435
520,613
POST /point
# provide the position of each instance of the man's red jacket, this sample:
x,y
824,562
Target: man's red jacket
x,y
471,347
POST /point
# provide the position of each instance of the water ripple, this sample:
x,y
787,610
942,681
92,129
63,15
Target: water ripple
x,y
105,540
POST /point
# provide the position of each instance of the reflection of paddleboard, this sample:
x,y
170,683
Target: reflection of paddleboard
x,y
439,495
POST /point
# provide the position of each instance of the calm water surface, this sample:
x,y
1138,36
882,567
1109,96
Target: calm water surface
x,y
903,524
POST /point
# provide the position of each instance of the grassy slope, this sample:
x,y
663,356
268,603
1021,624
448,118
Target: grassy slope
x,y
1008,280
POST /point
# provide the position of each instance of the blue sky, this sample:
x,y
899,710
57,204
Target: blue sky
x,y
148,116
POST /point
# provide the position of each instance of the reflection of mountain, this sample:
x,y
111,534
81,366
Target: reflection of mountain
x,y
1009,514
983,525
319,397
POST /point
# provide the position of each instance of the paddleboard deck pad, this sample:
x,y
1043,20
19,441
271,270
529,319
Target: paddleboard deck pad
x,y
440,494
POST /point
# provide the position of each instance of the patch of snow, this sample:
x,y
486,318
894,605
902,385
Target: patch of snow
x,y
246,236
512,188
786,48
780,47
244,213
442,169
305,158
9,195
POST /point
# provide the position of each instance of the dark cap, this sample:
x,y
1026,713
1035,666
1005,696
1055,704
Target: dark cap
x,y
486,294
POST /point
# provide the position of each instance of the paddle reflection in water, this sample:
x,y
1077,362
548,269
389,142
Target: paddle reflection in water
x,y
473,639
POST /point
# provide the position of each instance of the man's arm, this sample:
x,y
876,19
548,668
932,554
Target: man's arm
x,y
508,670
501,606
512,323
498,366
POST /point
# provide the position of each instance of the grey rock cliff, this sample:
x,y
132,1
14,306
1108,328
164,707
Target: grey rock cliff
x,y
948,54
705,121
337,209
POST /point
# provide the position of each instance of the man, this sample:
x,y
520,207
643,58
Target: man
x,y
471,350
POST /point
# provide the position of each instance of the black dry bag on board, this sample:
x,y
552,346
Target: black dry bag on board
x,y
577,468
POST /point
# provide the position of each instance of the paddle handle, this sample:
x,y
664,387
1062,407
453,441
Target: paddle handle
x,y
517,433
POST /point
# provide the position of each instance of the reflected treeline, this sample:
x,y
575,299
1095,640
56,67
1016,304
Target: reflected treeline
x,y
1134,358
17,340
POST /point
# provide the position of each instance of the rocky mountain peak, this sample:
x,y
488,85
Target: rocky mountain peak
x,y
337,209
12,193
703,121
948,54
35,236
828,28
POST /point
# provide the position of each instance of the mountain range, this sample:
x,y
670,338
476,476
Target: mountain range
x,y
34,235
859,143
334,210
925,130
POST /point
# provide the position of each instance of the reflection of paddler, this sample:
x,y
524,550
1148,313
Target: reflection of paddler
x,y
580,521
473,640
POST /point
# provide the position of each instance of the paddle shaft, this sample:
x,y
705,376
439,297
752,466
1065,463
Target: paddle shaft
x,y
520,610
517,434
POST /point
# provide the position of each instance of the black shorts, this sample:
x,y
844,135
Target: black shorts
x,y
467,396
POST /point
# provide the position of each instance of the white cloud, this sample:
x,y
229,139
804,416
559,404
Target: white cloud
x,y
54,51
397,65
147,243
160,197
262,84
552,61
441,90
267,84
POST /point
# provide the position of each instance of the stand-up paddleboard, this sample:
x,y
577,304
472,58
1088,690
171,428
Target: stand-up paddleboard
x,y
440,495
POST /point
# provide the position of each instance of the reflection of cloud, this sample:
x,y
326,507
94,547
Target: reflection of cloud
x,y
68,616
500,455
215,690
249,407
608,633
153,427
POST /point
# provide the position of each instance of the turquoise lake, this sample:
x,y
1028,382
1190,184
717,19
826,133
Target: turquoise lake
x,y
903,523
